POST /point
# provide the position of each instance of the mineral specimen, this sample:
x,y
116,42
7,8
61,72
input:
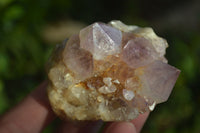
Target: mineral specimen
x,y
111,72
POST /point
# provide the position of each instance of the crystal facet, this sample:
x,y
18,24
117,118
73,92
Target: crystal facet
x,y
158,79
101,40
111,72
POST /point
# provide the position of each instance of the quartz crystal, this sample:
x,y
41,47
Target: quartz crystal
x,y
111,72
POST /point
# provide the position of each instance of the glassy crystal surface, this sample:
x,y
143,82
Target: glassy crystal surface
x,y
101,40
111,72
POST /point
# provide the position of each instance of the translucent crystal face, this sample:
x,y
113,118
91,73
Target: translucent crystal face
x,y
101,40
111,72
157,79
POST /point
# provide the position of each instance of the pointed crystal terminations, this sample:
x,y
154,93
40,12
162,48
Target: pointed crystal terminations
x,y
111,72
101,40
158,79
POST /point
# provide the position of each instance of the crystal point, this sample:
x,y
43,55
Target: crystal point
x,y
138,52
101,40
158,79
76,59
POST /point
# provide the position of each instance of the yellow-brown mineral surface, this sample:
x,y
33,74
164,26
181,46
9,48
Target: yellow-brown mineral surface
x,y
111,72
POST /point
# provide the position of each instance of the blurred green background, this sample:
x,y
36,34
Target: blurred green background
x,y
29,29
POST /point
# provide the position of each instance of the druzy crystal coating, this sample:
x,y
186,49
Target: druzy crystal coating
x,y
111,72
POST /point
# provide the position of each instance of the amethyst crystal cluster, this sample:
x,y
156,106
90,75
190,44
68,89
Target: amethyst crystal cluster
x,y
111,72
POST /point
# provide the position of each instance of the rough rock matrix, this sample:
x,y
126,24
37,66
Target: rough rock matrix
x,y
111,72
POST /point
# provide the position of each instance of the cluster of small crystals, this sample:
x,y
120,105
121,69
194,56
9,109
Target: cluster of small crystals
x,y
111,72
